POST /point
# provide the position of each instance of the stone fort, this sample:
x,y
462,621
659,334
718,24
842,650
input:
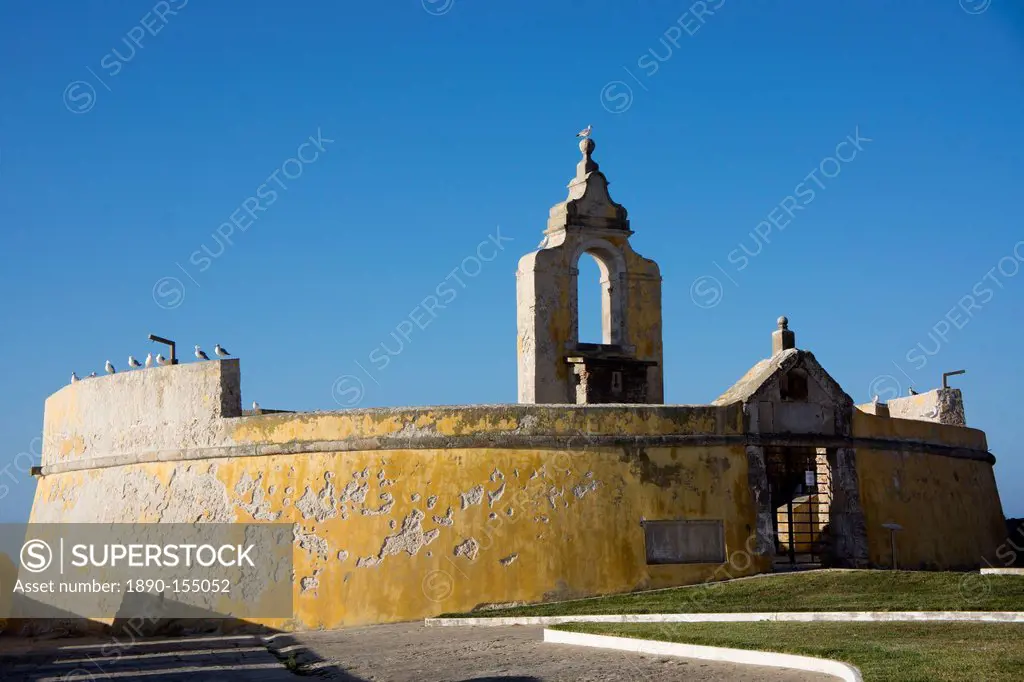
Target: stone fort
x,y
590,485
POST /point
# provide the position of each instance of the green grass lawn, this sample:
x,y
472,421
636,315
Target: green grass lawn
x,y
886,652
815,591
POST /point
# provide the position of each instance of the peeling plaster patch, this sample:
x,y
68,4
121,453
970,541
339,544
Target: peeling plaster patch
x,y
207,499
474,496
510,511
540,519
311,542
367,562
342,555
246,483
445,520
509,560
411,538
496,475
391,524
493,497
311,582
286,502
384,482
389,502
258,506
364,474
515,472
553,494
289,490
271,490
469,549
581,489
415,497
431,501
320,506
354,492
347,576
492,515
430,554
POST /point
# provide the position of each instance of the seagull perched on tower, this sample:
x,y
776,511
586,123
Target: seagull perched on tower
x,y
74,377
585,132
110,368
161,360
149,360
200,354
220,352
912,391
132,362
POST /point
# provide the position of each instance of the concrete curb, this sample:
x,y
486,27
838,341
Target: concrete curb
x,y
794,617
843,671
1002,571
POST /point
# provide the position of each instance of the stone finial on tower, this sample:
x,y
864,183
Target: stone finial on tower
x,y
783,338
587,164
589,205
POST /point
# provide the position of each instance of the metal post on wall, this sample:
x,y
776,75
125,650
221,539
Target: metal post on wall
x,y
159,339
946,375
893,528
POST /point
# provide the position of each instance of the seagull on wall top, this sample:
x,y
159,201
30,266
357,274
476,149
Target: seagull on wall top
x,y
585,132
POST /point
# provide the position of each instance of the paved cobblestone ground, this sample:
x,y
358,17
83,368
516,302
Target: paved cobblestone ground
x,y
407,652
410,652
194,659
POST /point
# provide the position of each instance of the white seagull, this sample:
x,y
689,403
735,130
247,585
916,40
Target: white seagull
x,y
256,407
133,363
149,360
161,360
200,354
74,377
220,352
110,368
585,132
91,376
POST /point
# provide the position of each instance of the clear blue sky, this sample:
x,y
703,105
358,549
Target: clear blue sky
x,y
449,120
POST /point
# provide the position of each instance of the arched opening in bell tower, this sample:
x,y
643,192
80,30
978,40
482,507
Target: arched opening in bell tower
x,y
598,295
591,301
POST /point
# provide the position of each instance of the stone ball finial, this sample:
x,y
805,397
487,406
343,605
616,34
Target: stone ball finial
x,y
587,146
783,322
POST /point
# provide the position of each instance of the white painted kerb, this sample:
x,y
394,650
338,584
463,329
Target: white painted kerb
x,y
1002,571
793,617
708,653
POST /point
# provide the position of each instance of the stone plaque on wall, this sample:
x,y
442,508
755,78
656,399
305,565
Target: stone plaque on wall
x,y
685,542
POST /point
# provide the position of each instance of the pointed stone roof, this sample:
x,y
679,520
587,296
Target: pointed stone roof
x,y
589,204
784,358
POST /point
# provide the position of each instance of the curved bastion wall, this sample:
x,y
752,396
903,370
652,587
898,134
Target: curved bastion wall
x,y
405,513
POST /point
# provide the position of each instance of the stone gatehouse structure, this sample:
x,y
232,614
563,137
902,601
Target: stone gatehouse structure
x,y
590,485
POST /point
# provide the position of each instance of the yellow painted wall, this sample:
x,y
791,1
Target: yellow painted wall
x,y
949,507
549,524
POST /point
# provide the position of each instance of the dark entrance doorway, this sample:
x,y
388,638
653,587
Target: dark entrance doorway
x,y
800,488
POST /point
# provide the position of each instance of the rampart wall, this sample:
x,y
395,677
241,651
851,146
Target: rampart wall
x,y
406,513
